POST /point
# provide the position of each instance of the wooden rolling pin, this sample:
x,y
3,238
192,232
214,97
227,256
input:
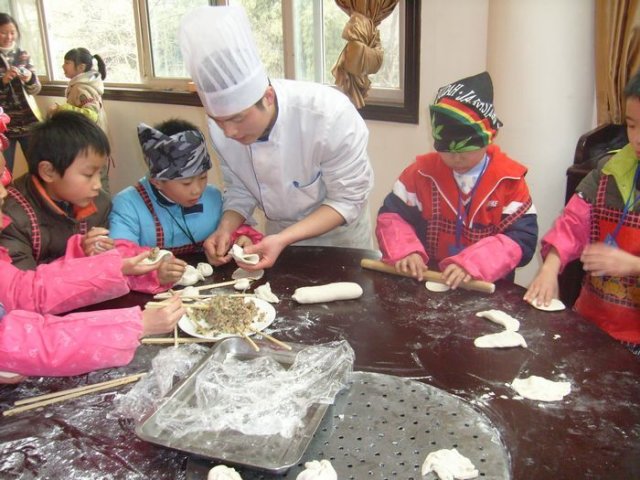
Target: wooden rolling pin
x,y
430,275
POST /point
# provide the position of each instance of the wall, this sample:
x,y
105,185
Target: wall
x,y
543,76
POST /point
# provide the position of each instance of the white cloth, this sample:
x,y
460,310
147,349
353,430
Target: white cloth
x,y
316,154
220,54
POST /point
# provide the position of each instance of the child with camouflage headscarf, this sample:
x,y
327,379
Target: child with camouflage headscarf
x,y
466,205
173,207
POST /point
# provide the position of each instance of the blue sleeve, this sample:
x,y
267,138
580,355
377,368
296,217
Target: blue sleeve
x,y
124,220
524,232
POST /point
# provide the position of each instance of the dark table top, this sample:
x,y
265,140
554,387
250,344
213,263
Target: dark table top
x,y
397,328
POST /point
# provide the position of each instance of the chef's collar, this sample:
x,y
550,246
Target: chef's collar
x,y
165,201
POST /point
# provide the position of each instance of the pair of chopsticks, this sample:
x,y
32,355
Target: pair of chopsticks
x,y
63,395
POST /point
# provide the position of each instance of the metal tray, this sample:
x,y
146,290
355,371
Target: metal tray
x,y
272,453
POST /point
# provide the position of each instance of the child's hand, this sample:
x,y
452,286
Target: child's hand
x,y
24,73
171,269
600,259
543,288
243,241
454,275
132,265
216,248
412,264
97,241
162,320
11,378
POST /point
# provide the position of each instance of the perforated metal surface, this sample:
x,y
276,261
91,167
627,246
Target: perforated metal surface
x,y
383,427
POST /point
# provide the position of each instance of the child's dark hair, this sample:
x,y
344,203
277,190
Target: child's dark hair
x,y
82,56
61,138
633,86
175,125
5,18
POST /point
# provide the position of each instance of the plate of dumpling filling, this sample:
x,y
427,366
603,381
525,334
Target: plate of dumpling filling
x,y
224,316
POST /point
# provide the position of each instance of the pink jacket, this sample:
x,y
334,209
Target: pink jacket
x,y
34,341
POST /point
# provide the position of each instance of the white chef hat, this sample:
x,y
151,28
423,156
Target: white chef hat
x,y
221,55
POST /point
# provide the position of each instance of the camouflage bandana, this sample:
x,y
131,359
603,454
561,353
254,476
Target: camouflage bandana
x,y
182,155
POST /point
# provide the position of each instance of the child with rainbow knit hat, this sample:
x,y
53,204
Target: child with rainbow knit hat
x,y
465,206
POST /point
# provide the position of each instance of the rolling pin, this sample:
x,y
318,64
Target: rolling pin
x,y
430,275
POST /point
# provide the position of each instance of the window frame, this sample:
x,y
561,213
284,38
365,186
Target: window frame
x,y
158,90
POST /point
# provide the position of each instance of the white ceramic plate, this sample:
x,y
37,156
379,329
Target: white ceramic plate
x,y
187,326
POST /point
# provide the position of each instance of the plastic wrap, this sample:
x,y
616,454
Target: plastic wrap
x,y
259,396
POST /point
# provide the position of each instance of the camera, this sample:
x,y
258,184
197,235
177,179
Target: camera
x,y
23,71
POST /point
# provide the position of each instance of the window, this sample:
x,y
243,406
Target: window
x,y
138,41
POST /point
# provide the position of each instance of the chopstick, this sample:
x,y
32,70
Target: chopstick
x,y
269,337
251,342
161,341
63,395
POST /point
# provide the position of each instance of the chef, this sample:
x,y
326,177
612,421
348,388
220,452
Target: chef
x,y
296,150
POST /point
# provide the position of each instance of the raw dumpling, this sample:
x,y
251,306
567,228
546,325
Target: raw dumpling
x,y
242,284
318,470
504,339
501,318
191,276
264,292
449,465
539,388
222,472
205,269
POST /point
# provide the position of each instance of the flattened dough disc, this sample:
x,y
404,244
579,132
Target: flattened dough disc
x,y
437,287
241,273
555,306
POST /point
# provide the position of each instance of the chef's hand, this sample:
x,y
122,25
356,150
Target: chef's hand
x,y
96,241
454,275
170,270
216,248
412,264
269,249
600,259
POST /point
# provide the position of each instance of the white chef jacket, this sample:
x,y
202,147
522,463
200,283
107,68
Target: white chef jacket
x,y
316,154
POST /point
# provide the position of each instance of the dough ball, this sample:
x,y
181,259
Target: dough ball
x,y
318,470
554,306
222,472
242,284
328,293
437,287
449,464
251,275
205,269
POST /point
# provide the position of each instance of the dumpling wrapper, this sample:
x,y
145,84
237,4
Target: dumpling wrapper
x,y
555,305
437,287
240,273
504,339
501,318
449,464
237,252
539,388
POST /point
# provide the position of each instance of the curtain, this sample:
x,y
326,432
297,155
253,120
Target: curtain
x,y
617,55
362,55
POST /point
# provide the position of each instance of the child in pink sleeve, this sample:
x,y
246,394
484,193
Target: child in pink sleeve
x,y
35,341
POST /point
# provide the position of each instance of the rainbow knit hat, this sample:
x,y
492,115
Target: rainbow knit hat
x,y
462,115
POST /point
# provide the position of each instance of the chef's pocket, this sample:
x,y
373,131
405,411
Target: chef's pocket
x,y
314,189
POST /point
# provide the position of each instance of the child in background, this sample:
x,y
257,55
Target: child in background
x,y
466,205
173,207
61,197
19,83
34,341
601,225
84,92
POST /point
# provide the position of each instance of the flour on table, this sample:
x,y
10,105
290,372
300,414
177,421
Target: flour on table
x,y
237,252
449,465
222,472
250,274
318,470
242,284
554,306
504,339
501,318
539,388
437,287
264,292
